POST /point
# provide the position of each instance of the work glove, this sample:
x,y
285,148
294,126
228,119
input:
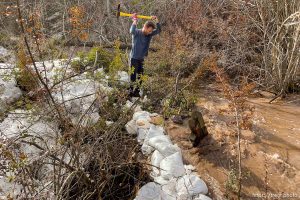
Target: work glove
x,y
134,17
154,18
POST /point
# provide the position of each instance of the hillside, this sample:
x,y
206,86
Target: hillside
x,y
158,100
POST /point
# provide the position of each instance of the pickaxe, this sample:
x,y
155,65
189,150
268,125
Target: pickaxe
x,y
122,14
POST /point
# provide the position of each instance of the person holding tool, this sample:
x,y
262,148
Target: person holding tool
x,y
141,39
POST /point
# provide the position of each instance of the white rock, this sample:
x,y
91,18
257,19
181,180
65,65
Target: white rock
x,y
123,77
18,123
128,104
99,71
108,123
7,188
191,185
9,93
3,51
145,99
141,93
137,108
87,120
12,126
172,166
78,95
150,191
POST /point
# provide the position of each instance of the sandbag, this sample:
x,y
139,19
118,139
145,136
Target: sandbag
x,y
146,149
142,123
142,133
191,185
160,180
141,114
189,169
153,132
157,140
156,130
202,197
131,127
165,196
172,166
156,158
150,191
167,149
170,188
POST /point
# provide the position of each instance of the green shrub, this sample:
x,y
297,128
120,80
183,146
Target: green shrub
x,y
116,64
102,57
6,42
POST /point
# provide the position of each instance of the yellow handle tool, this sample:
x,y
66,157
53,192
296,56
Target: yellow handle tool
x,y
122,14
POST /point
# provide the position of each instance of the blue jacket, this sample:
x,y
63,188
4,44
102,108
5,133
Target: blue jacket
x,y
141,42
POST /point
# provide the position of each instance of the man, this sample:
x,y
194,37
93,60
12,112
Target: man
x,y
140,44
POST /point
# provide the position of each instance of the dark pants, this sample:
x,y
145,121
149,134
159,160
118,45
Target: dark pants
x,y
136,70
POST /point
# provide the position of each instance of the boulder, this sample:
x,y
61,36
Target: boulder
x,y
9,93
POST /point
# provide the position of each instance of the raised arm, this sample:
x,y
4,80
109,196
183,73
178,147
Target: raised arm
x,y
157,30
134,24
158,27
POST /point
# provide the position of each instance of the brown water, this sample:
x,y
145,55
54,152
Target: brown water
x,y
270,151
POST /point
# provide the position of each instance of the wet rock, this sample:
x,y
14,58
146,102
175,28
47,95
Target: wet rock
x,y
177,119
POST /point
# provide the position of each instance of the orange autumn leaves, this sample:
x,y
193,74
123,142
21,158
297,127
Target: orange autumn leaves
x,y
78,23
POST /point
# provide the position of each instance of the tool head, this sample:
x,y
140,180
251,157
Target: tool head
x,y
118,10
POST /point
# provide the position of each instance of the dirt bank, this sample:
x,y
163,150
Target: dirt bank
x,y
270,150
